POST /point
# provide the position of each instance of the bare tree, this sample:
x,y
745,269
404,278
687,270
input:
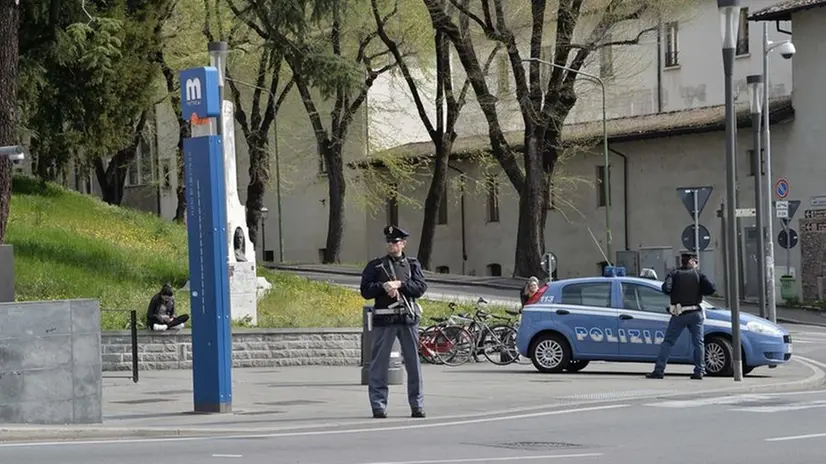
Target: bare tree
x,y
543,110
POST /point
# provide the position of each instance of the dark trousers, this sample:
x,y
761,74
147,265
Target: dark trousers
x,y
693,321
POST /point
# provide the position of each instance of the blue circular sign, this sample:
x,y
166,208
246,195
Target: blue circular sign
x,y
781,188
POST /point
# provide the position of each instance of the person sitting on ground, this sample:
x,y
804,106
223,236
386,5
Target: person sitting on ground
x,y
530,288
161,312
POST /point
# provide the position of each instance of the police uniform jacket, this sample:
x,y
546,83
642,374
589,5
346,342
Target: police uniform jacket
x,y
687,286
377,272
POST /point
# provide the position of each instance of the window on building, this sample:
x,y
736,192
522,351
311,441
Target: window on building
x,y
743,33
493,199
600,185
443,208
502,74
494,269
166,174
672,44
322,166
142,169
596,294
442,270
606,59
550,195
393,208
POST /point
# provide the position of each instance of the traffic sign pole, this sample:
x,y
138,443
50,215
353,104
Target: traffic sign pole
x,y
696,227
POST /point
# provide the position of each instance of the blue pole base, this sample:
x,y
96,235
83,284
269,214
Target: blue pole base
x,y
212,408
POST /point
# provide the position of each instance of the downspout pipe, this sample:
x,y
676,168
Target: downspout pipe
x,y
462,212
624,191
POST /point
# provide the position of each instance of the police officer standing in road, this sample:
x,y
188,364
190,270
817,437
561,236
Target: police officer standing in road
x,y
686,286
395,281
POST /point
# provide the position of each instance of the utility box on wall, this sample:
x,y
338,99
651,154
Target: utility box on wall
x,y
656,258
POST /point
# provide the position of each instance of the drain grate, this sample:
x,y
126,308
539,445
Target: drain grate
x,y
291,403
535,445
146,401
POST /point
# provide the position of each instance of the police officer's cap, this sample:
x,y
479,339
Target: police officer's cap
x,y
687,256
395,234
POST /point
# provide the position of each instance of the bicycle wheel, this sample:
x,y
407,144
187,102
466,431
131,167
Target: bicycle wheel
x,y
428,340
458,346
500,345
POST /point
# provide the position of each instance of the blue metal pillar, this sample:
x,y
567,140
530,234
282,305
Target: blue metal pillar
x,y
206,217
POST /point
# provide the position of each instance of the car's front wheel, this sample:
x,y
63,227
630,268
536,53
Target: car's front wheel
x,y
550,353
719,357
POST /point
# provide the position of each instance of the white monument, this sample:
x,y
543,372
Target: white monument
x,y
243,281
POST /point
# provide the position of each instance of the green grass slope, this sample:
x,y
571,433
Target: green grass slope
x,y
68,245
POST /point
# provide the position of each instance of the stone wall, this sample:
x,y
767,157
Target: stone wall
x,y
250,348
813,257
50,362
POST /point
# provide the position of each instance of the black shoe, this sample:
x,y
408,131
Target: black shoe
x,y
654,375
418,413
696,376
379,415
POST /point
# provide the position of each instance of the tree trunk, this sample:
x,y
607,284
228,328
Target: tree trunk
x,y
259,178
180,210
433,203
530,240
335,180
8,101
113,177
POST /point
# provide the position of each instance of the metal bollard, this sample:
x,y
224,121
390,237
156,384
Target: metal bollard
x,y
394,373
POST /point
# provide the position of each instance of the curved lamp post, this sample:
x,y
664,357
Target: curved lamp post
x,y
607,184
729,23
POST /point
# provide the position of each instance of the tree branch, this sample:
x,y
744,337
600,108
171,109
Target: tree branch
x,y
242,15
393,48
485,25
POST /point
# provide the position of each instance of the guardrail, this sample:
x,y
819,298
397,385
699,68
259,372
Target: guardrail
x,y
133,327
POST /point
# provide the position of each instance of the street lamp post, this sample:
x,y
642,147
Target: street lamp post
x,y
607,184
787,50
755,84
264,213
729,22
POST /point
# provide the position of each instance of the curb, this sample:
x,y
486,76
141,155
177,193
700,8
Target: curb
x,y
435,280
27,436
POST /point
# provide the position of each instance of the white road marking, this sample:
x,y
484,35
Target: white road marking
x,y
797,437
507,458
788,407
227,455
317,433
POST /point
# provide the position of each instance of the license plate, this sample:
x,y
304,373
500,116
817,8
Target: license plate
x,y
788,348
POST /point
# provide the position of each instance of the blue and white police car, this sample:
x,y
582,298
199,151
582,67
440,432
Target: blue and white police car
x,y
570,322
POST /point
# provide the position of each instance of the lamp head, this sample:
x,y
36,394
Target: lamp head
x,y
755,83
729,21
15,153
786,50
264,212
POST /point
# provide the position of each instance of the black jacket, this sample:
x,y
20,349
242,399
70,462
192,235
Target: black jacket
x,y
159,306
376,273
687,286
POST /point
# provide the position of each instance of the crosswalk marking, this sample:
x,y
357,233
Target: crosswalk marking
x,y
754,403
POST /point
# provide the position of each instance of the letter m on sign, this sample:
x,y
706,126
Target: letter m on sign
x,y
199,93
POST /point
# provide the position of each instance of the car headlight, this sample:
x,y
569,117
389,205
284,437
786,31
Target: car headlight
x,y
762,328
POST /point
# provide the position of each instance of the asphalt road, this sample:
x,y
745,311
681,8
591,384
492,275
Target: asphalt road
x,y
783,427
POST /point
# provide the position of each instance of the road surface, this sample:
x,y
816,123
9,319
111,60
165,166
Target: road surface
x,y
770,428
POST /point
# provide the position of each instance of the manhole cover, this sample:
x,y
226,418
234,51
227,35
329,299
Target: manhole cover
x,y
535,445
291,403
146,401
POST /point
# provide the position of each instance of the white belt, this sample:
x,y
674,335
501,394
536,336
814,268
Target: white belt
x,y
384,312
685,308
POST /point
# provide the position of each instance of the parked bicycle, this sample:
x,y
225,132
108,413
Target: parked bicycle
x,y
490,340
444,341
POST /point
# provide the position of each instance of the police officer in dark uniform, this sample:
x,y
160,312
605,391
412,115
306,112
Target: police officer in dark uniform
x,y
395,281
687,286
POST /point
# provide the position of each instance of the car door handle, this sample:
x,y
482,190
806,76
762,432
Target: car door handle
x,y
562,312
626,316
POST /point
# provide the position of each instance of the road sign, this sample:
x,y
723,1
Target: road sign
x,y
199,94
781,188
688,238
782,208
814,213
687,196
782,238
745,212
818,201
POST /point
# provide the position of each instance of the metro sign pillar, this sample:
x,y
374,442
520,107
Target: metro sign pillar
x,y
206,219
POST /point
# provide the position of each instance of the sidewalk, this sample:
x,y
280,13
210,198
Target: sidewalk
x,y
301,398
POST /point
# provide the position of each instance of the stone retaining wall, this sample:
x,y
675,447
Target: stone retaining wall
x,y
250,348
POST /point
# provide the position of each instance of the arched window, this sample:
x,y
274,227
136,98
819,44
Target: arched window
x,y
442,270
494,269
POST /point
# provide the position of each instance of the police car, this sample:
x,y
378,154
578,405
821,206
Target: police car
x,y
570,322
